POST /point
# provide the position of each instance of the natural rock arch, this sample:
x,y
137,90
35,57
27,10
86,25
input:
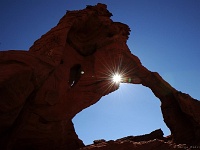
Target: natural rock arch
x,y
38,88
116,115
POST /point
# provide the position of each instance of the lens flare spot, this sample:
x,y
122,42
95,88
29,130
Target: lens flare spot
x,y
117,78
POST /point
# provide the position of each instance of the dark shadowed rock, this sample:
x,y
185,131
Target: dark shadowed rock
x,y
131,145
157,134
69,69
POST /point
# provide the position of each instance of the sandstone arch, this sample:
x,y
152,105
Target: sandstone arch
x,y
37,103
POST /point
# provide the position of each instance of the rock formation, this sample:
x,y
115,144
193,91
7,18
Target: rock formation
x,y
67,70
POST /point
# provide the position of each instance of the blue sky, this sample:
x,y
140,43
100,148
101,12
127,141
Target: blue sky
x,y
165,35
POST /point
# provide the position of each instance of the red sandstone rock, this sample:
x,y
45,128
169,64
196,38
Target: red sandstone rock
x,y
38,88
131,145
157,134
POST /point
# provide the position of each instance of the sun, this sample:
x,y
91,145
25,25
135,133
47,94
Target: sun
x,y
117,78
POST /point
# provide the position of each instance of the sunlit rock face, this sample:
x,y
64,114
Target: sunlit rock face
x,y
70,68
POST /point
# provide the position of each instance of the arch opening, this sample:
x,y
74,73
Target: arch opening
x,y
132,110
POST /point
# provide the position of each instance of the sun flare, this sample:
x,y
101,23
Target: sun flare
x,y
117,78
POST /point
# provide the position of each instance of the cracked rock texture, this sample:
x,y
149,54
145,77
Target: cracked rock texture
x,y
67,70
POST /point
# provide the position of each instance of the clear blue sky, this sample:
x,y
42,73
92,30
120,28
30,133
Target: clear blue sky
x,y
165,36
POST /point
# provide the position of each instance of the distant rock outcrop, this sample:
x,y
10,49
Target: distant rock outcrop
x,y
67,70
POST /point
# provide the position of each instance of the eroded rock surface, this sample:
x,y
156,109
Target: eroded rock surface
x,y
131,145
68,69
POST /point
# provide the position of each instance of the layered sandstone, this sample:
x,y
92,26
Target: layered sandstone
x,y
67,70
